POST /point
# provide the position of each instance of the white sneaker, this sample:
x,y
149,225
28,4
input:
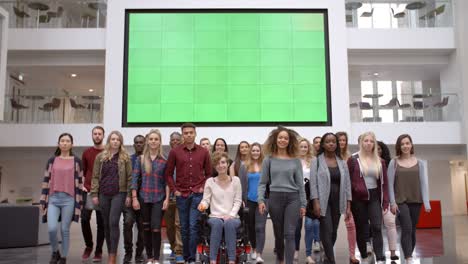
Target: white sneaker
x,y
369,248
149,262
380,262
364,260
310,260
316,246
259,260
409,261
296,255
253,255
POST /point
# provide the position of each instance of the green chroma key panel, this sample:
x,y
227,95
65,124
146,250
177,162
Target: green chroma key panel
x,y
226,67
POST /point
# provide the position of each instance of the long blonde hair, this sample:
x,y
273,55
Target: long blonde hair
x,y
374,156
146,157
107,154
250,163
310,152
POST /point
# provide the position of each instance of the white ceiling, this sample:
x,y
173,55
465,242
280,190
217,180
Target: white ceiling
x,y
56,79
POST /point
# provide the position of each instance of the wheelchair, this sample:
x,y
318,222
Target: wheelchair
x,y
243,247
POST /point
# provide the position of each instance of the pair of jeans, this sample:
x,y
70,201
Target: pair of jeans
x,y
60,204
171,216
312,233
111,208
351,232
256,225
390,226
218,225
297,234
284,211
152,216
131,217
86,227
409,216
365,211
329,227
188,216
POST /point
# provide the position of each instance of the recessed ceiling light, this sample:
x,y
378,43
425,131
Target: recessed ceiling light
x,y
375,74
73,75
20,76
91,90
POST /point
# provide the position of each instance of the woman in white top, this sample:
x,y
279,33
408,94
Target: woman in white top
x,y
311,226
223,194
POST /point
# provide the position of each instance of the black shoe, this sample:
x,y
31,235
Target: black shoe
x,y
139,258
55,257
394,257
62,261
127,259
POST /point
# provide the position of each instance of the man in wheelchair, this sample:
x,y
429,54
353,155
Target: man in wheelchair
x,y
223,195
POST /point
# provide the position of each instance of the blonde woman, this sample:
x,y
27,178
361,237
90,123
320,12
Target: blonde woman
x,y
112,174
153,196
311,226
249,174
282,171
349,221
369,187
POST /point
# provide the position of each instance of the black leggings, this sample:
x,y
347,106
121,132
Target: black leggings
x,y
363,212
152,215
409,216
329,226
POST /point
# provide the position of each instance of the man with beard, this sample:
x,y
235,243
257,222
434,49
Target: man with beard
x,y
131,216
89,155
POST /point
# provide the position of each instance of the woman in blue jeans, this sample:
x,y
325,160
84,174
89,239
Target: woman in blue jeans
x,y
311,226
223,195
61,195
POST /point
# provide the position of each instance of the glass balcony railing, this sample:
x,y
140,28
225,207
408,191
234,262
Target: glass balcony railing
x,y
51,109
56,13
399,14
405,108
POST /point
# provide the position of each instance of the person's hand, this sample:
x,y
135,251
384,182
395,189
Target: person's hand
x,y
316,208
43,209
96,201
165,204
128,202
84,189
226,217
349,214
135,204
201,207
394,209
428,210
261,208
302,212
177,193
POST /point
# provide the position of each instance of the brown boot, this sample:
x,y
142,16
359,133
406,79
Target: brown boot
x,y
112,259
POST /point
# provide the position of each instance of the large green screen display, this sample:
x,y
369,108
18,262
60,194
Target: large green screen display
x,y
226,67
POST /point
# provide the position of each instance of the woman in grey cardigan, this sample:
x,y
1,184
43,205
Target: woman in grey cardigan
x,y
408,190
330,190
282,171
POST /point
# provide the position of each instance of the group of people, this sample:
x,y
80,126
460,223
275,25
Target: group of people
x,y
293,180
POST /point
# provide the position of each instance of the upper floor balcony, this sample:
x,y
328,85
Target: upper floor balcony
x,y
386,14
56,13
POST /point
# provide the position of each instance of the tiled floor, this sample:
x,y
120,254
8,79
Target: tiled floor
x,y
444,246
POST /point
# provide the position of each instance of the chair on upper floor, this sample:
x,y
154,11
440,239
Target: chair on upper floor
x,y
365,106
398,15
51,106
368,14
76,105
391,104
17,106
419,105
442,103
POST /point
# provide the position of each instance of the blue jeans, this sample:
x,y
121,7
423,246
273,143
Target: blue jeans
x,y
60,204
312,233
188,215
230,236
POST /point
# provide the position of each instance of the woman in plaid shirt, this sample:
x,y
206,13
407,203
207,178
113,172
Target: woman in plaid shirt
x,y
153,194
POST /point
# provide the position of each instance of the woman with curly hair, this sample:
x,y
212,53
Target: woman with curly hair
x,y
282,171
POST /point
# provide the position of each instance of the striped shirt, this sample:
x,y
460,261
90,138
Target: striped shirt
x,y
153,185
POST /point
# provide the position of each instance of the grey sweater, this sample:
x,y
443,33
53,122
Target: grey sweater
x,y
320,183
286,176
423,179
